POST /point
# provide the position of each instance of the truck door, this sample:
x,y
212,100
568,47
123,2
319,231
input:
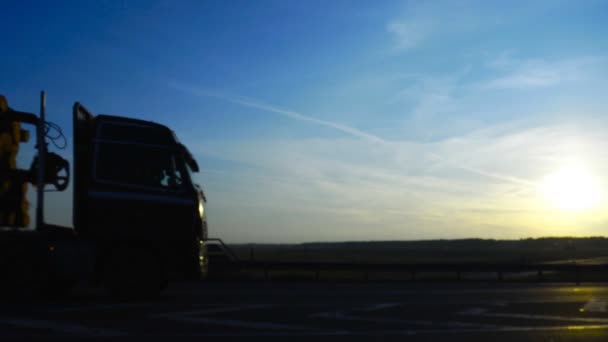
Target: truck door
x,y
82,121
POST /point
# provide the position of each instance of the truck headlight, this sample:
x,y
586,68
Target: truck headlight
x,y
201,209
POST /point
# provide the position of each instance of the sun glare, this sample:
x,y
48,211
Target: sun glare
x,y
572,188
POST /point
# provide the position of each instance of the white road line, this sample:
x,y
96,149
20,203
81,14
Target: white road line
x,y
97,307
244,324
482,312
73,329
345,317
214,310
541,317
377,332
197,316
377,307
595,306
529,301
472,312
544,290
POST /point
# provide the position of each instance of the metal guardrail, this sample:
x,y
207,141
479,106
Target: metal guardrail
x,y
413,268
216,246
227,260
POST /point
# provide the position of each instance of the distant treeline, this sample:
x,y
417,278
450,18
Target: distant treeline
x,y
461,250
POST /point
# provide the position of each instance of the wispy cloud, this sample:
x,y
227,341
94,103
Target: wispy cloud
x,y
425,21
409,34
526,74
405,185
252,103
390,146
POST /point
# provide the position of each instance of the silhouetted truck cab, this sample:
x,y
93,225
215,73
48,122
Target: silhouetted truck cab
x,y
139,219
135,197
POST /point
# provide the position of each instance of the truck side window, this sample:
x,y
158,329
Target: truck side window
x,y
171,178
137,165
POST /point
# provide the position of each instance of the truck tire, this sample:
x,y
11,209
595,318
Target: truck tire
x,y
58,287
22,273
20,280
132,273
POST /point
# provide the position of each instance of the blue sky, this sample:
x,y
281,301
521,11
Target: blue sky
x,y
341,120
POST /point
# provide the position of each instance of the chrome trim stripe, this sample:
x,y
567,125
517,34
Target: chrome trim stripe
x,y
140,197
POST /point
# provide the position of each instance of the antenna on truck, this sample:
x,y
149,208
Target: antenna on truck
x,y
41,145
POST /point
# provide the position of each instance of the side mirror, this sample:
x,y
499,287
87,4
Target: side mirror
x,y
189,158
3,104
193,165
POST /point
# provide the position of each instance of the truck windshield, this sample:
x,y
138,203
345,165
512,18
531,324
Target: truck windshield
x,y
190,173
138,165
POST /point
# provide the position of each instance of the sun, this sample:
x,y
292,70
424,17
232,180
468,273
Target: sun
x,y
572,189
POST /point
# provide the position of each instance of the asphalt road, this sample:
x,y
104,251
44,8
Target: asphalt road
x,y
322,311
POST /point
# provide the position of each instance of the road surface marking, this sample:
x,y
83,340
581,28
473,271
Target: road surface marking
x,y
385,332
544,290
473,312
214,310
97,307
377,307
72,329
197,316
595,306
481,312
336,315
243,324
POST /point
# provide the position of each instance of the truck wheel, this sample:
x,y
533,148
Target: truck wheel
x,y
58,287
19,280
133,273
22,276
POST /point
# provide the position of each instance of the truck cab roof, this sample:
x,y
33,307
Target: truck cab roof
x,y
117,128
126,120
